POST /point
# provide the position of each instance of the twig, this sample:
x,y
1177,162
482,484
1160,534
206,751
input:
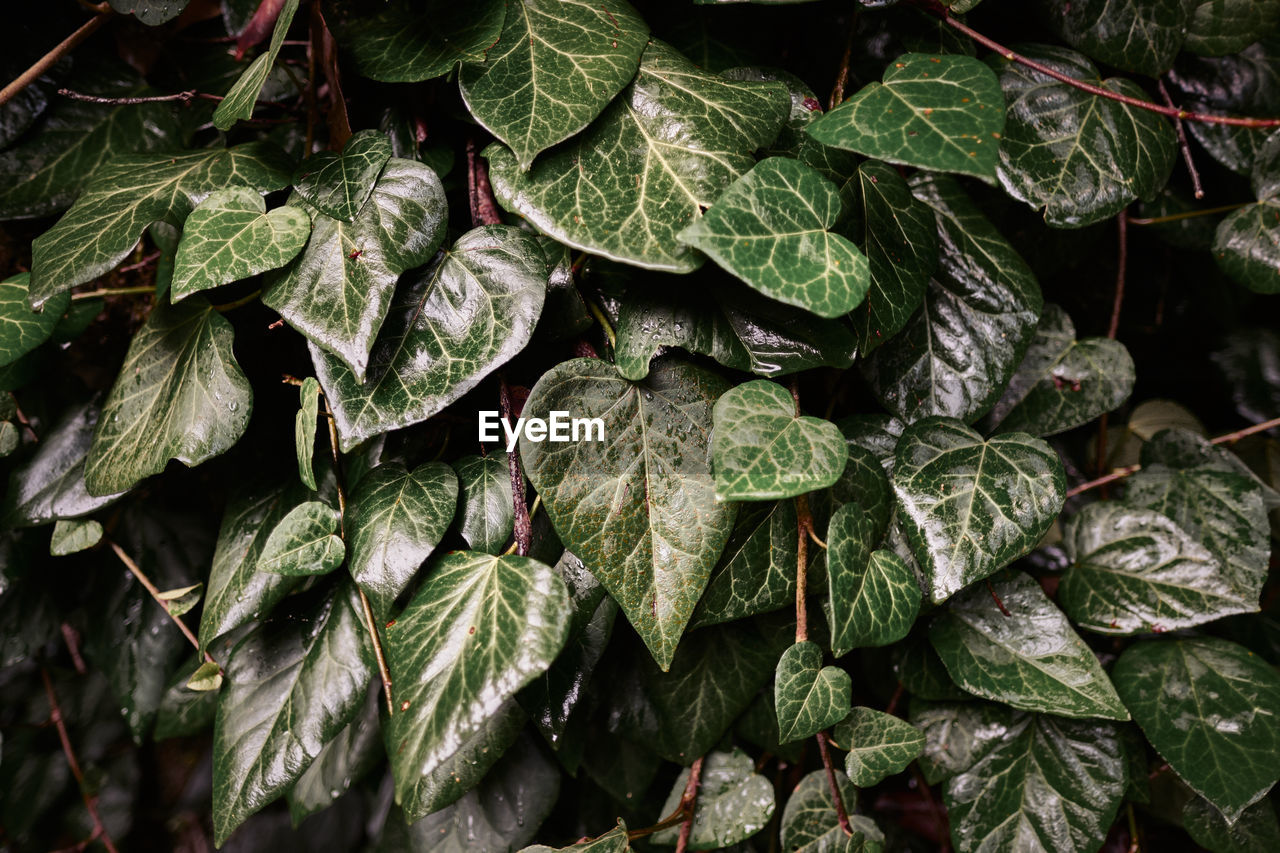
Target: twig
x,y
894,699
113,291
996,598
1122,261
90,802
689,804
26,78
155,594
1135,845
936,8
22,419
842,73
484,210
841,815
72,640
523,528
1188,214
802,569
183,97
1183,144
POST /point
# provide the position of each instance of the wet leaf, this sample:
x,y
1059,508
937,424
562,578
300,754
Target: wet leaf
x,y
809,697
244,93
1219,27
734,803
304,542
405,41
757,570
879,745
488,511
809,819
1136,35
21,329
304,431
338,183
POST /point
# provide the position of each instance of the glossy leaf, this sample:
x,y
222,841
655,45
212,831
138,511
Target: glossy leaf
x,y
809,819
342,286
970,507
1219,27
957,735
1136,35
878,744
243,95
554,68
448,327
648,526
943,113
1205,705
809,697
613,841
1247,246
153,13
21,329
488,513
339,183
879,598
1254,831
662,152
341,762
304,430
757,569
771,229
73,535
406,40
734,803
304,542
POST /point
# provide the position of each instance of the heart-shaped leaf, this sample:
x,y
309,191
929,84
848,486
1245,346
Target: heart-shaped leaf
x,y
649,527
1247,246
343,761
1009,643
873,602
21,329
1256,829
566,58
1136,35
70,536
404,41
1219,27
763,450
809,697
395,519
338,183
943,113
970,507
626,187
956,734
1207,705
809,823
771,229
449,327
179,395
1135,571
340,289
757,570
878,744
734,803
304,430
303,543
243,95
488,513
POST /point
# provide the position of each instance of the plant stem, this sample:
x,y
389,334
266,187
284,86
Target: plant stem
x,y
155,594
114,291
484,209
1183,144
90,802
689,804
26,78
1122,262
802,569
1189,214
523,528
842,73
841,815
184,97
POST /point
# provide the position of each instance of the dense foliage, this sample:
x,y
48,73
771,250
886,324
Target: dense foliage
x,y
908,527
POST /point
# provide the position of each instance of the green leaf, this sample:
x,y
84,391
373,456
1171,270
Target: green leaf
x,y
342,761
304,430
956,735
395,519
1206,705
1135,571
613,841
957,352
180,395
153,13
292,686
132,191
970,507
1247,246
809,819
206,678
1045,784
1136,35
339,183
304,542
21,329
243,96
644,170
1081,158
405,41
734,803
554,68
478,629
757,569
1219,27
488,511
1030,659
448,327
71,536
1256,829
810,697
771,229
231,236
943,113
342,286
874,602
763,450
650,529
879,745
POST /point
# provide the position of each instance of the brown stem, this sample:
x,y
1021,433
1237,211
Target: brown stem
x,y
72,639
22,419
1189,214
802,568
1122,262
996,598
936,8
841,815
259,26
689,804
155,594
26,78
842,74
895,699
484,210
184,97
1183,144
523,528
90,802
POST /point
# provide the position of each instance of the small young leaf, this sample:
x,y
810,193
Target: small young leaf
x,y
71,536
810,697
304,430
304,542
180,600
206,678
734,803
878,744
488,513
243,96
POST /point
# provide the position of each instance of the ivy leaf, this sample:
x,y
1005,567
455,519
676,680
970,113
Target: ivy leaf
x,y
970,507
153,13
303,543
1045,784
129,193
70,536
338,292
180,395
488,513
1135,571
762,450
342,761
809,819
339,183
304,430
771,229
243,96
957,735
650,528
449,326
1082,158
1207,705
757,570
566,60
879,745
734,803
878,599
1219,27
613,841
646,168
1256,829
408,40
395,520
292,686
957,352
1063,383
21,329
1136,35
810,697
231,236
477,630
943,113
1030,658
1247,246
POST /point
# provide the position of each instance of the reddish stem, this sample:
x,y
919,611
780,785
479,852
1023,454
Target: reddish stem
x,y
841,815
90,802
688,804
